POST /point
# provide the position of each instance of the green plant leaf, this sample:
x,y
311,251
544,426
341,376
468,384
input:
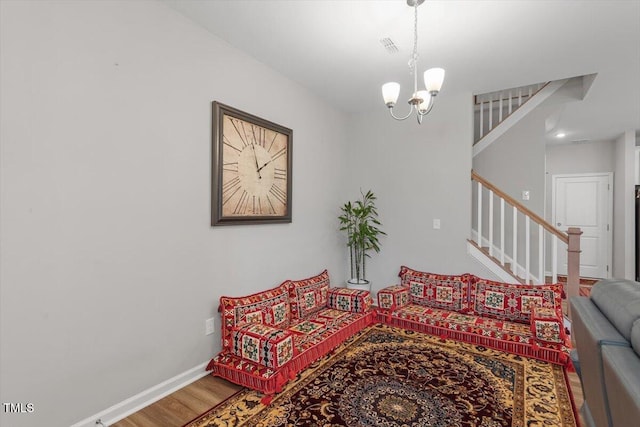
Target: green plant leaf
x,y
360,220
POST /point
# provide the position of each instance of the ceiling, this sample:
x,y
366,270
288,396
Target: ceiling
x,y
333,48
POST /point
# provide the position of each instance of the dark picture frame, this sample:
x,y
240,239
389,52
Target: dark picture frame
x,y
252,161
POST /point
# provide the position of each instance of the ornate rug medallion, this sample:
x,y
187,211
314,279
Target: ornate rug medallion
x,y
391,377
379,401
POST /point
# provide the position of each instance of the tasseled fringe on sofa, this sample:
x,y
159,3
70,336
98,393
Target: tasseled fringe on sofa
x,y
528,349
274,383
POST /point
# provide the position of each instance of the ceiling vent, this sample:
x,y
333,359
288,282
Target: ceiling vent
x,y
389,45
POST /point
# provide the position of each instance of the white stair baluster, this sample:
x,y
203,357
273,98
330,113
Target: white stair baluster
x,y
501,231
527,248
481,119
540,253
491,222
490,114
554,258
519,97
479,241
514,264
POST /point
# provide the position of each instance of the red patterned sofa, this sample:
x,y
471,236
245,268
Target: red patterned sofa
x,y
521,319
270,336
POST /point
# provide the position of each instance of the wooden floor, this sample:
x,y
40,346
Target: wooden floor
x,y
186,404
182,406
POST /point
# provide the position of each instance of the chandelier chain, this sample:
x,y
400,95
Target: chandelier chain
x,y
415,32
413,62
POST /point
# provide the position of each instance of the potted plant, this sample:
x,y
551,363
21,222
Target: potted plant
x,y
360,220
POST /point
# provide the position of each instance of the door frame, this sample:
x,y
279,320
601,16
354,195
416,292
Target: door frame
x,y
609,209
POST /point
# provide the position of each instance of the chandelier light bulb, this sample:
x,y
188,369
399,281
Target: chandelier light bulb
x,y
426,101
433,79
390,93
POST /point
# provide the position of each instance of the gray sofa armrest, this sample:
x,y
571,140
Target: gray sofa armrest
x,y
575,361
591,327
635,337
591,330
622,382
619,301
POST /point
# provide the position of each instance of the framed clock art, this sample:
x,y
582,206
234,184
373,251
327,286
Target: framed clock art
x,y
251,169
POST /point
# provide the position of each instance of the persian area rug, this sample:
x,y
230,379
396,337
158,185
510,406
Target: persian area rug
x,y
387,376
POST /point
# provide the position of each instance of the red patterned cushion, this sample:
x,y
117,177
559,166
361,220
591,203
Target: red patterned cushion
x,y
547,326
435,290
325,327
393,297
269,307
513,302
307,296
262,344
466,323
351,300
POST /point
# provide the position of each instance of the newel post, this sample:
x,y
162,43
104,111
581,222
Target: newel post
x,y
573,264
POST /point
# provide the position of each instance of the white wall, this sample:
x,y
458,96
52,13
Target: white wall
x,y
580,158
109,264
516,161
624,207
419,173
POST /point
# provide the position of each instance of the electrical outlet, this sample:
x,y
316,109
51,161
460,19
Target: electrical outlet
x,y
209,326
436,224
526,194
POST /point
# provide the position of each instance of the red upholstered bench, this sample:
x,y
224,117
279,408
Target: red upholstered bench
x,y
270,336
521,319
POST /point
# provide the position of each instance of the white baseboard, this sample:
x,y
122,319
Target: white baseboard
x,y
133,404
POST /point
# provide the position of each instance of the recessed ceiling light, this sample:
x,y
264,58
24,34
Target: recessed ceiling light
x,y
561,135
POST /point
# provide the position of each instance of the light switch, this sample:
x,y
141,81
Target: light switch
x,y
436,224
209,326
525,194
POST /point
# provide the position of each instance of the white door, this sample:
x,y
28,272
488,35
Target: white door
x,y
585,201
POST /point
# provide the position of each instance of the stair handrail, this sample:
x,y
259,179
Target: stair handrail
x,y
511,93
571,238
522,208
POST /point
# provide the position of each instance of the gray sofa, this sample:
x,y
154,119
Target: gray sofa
x,y
606,329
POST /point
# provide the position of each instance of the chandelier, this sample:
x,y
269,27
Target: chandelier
x,y
422,100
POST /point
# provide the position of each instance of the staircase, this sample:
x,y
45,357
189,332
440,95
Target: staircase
x,y
493,107
496,112
516,244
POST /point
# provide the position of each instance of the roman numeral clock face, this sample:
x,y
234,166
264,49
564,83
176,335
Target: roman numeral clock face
x,y
253,170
